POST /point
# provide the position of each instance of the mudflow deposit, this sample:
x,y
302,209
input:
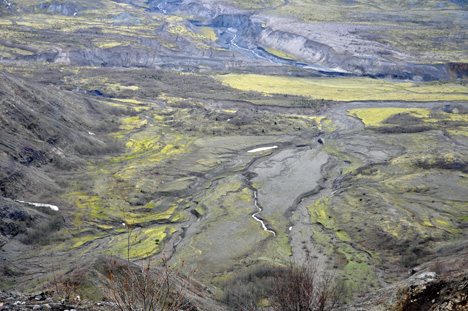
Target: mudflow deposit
x,y
235,138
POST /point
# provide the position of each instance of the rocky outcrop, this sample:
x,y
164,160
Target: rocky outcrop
x,y
458,70
130,57
14,220
440,284
433,294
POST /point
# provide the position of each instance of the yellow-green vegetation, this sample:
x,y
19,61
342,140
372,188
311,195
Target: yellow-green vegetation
x,y
322,122
142,143
337,244
83,240
347,89
140,243
280,53
94,209
136,105
110,44
375,116
104,84
422,41
334,150
211,200
131,123
146,148
404,202
328,125
6,51
205,33
453,123
118,183
208,33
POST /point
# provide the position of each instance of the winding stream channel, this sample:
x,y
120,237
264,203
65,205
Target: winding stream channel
x,y
255,215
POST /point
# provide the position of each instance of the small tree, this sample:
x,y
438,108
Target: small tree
x,y
303,288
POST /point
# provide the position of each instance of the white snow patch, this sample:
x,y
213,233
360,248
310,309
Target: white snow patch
x,y
91,133
52,207
290,228
262,149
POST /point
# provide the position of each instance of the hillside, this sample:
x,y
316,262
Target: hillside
x,y
231,136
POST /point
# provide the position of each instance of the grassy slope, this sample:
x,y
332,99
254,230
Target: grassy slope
x,y
348,89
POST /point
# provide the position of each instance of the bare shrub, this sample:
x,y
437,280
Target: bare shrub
x,y
443,269
443,163
397,129
294,287
132,287
402,119
304,288
145,289
245,291
66,286
42,232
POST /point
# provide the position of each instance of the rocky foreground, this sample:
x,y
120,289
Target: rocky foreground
x,y
13,300
424,291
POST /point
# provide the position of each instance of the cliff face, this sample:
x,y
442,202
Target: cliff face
x,y
451,294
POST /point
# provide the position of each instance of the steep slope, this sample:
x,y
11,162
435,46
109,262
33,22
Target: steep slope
x,y
45,134
44,129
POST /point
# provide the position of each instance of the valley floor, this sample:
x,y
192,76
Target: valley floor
x,y
232,138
